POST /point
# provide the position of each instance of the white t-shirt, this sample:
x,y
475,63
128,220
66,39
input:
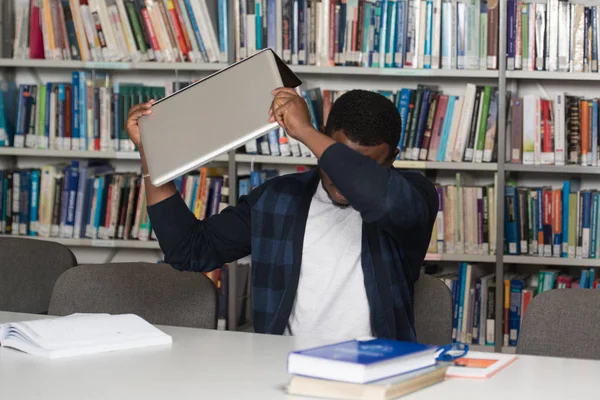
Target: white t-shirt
x,y
331,301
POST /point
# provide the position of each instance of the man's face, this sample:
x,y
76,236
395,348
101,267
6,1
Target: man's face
x,y
380,153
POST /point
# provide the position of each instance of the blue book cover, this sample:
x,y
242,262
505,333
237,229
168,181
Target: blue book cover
x,y
368,15
565,218
61,116
586,222
401,14
446,128
477,313
98,209
273,138
423,114
83,104
258,26
511,42
369,352
271,24
49,87
461,300
594,14
255,179
584,280
194,192
511,220
82,195
224,29
90,211
383,36
75,117
196,29
428,34
4,134
33,202
375,55
455,294
243,187
390,48
24,202
594,227
447,26
516,294
19,138
403,105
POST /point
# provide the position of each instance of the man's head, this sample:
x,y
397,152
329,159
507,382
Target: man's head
x,y
366,122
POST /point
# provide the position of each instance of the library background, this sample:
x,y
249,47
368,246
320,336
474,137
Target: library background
x,y
497,100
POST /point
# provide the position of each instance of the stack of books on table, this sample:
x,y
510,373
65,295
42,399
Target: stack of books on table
x,y
375,369
370,369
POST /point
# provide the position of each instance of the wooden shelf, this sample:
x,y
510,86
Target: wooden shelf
x,y
98,243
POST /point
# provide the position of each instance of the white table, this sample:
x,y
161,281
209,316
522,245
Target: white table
x,y
207,365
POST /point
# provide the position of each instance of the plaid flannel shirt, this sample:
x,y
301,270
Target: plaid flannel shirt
x,y
398,209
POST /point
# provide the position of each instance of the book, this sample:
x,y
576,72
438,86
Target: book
x,y
361,361
385,389
479,365
81,334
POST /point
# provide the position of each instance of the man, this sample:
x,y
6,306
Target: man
x,y
335,251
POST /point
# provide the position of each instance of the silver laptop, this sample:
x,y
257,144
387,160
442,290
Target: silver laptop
x,y
212,116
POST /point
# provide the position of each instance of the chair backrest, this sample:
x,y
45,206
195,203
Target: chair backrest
x,y
433,311
29,269
562,323
156,292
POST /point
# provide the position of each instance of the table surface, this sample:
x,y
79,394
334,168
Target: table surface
x,y
205,364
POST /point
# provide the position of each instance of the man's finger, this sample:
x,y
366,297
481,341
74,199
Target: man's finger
x,y
280,113
285,90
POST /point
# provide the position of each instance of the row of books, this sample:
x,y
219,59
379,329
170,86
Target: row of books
x,y
88,113
466,219
474,296
558,131
121,30
82,200
435,126
552,222
553,35
428,34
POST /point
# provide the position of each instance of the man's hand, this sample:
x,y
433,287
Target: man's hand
x,y
291,112
131,125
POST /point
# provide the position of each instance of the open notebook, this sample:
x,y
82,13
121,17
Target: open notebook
x,y
80,334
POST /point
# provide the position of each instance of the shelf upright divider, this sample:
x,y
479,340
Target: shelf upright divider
x,y
501,178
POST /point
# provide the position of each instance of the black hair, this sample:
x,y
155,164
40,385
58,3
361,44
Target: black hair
x,y
366,118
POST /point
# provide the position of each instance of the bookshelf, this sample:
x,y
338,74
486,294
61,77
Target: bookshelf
x,y
344,77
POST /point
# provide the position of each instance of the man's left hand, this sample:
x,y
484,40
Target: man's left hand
x,y
291,112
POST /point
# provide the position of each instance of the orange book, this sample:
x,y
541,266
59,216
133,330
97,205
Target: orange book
x,y
506,325
585,136
557,223
199,194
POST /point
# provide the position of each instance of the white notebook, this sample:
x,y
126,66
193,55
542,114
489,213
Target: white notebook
x,y
81,334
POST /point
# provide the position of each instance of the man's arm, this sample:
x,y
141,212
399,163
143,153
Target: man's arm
x,y
402,203
189,244
193,245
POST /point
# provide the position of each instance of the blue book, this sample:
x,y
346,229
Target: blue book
x,y
511,220
2,207
83,117
61,117
461,300
75,117
424,113
516,294
565,218
455,294
33,202
24,202
224,30
375,55
272,24
46,143
428,34
390,48
362,360
586,223
383,36
594,227
4,137
584,280
195,28
258,27
446,129
19,138
403,105
540,220
477,313
401,16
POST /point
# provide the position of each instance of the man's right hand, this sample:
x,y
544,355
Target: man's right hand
x,y
131,126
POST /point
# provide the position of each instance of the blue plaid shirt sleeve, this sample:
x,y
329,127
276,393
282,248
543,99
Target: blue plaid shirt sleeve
x,y
193,245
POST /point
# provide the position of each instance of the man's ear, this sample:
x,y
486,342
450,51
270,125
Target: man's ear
x,y
394,156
